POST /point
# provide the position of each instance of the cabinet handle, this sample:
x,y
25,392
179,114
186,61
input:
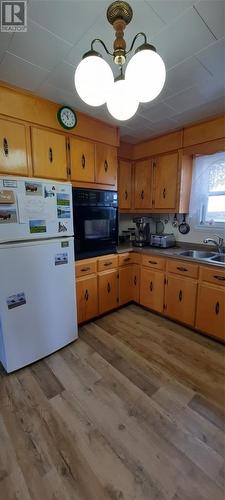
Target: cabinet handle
x,y
106,165
85,269
151,286
152,262
142,194
108,288
164,193
220,278
135,280
183,269
217,308
83,161
125,195
127,259
107,263
180,295
6,147
86,295
50,155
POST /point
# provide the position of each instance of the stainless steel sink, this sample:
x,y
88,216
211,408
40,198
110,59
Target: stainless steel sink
x,y
219,258
198,254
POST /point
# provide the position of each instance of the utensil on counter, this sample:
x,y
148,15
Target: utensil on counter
x,y
184,227
175,222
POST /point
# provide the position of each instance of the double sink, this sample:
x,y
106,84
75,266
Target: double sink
x,y
201,254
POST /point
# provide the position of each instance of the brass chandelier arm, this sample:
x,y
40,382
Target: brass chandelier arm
x,y
134,40
102,43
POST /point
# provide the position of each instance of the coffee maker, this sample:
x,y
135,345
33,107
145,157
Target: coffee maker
x,y
142,231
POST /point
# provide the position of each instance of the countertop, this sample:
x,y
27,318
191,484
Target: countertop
x,y
173,252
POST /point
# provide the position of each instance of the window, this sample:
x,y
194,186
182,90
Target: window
x,y
207,205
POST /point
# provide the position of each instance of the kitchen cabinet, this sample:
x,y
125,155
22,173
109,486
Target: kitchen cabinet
x,y
13,148
106,165
143,184
165,181
180,298
210,316
108,290
49,154
82,160
125,179
87,298
135,283
125,284
152,289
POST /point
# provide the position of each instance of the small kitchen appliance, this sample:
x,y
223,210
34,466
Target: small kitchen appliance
x,y
142,231
162,240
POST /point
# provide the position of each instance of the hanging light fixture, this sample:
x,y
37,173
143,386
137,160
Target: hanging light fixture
x,y
144,76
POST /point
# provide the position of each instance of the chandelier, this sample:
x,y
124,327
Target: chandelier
x,y
142,80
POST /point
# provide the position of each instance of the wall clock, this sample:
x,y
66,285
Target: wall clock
x,y
67,117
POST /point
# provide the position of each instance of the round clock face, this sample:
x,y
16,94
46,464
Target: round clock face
x,y
67,118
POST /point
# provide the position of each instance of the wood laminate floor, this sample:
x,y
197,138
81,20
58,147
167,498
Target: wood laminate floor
x,y
134,410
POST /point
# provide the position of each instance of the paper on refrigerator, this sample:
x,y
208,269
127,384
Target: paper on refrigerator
x,y
36,208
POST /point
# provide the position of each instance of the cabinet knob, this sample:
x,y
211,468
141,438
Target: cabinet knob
x,y
217,308
164,193
106,165
83,161
50,155
135,280
125,195
183,269
151,286
5,147
180,295
220,278
108,288
86,295
142,194
107,264
85,269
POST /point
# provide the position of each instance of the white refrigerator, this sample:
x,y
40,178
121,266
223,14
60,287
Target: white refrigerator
x,y
37,279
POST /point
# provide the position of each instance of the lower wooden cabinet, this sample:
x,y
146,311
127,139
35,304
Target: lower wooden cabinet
x,y
152,289
210,317
108,290
180,299
125,279
135,283
87,298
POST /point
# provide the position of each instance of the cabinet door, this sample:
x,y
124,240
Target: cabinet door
x,y
152,289
143,184
108,291
135,283
125,171
13,148
165,181
106,164
82,154
180,299
210,317
49,154
125,284
87,298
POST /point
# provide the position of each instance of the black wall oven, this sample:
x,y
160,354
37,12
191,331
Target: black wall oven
x,y
95,214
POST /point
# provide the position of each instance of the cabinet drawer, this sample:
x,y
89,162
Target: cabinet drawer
x,y
129,258
85,267
182,267
107,262
153,261
213,275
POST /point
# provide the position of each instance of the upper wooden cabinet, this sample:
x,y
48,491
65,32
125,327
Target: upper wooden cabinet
x,y
106,165
49,154
82,158
165,181
125,176
13,148
143,184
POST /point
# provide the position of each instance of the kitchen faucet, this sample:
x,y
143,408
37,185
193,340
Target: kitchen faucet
x,y
219,244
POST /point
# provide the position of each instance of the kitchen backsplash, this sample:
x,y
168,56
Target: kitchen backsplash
x,y
194,236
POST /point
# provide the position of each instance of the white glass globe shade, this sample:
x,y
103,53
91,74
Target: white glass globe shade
x,y
122,103
146,73
93,80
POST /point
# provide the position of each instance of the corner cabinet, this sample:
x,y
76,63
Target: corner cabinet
x,y
106,165
13,148
49,154
125,178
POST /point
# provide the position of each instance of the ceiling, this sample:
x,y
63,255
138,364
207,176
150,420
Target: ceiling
x,y
188,34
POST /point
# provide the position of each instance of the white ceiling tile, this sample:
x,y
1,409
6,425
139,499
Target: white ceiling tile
x,y
69,19
5,39
19,72
186,74
58,95
157,112
187,99
139,122
39,46
130,139
213,13
63,77
168,10
213,58
214,108
182,38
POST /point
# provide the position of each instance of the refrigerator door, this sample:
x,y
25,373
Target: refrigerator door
x,y
37,300
34,209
